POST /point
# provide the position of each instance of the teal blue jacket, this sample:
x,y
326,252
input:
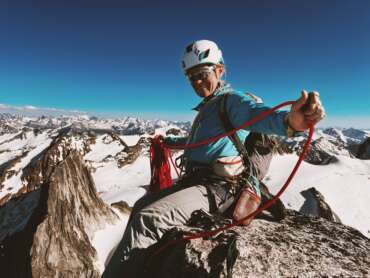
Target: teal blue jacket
x,y
240,108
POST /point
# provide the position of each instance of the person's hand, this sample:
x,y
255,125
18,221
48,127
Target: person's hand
x,y
306,111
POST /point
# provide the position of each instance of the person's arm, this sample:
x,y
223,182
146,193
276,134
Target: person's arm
x,y
241,109
281,123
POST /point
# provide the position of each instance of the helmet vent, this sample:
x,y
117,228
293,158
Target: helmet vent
x,y
189,48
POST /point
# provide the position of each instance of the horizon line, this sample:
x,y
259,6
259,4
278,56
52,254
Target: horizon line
x,y
362,122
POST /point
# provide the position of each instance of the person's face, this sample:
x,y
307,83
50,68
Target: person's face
x,y
205,78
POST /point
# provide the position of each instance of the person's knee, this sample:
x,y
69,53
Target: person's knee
x,y
143,230
143,220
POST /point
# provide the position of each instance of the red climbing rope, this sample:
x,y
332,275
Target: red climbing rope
x,y
159,166
261,208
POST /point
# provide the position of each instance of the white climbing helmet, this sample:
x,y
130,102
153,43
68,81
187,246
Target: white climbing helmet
x,y
201,52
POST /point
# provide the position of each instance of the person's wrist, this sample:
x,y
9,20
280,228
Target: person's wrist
x,y
291,131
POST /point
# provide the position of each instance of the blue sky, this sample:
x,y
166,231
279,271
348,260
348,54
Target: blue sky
x,y
121,58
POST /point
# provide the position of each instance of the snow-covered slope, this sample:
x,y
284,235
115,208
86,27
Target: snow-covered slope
x,y
345,185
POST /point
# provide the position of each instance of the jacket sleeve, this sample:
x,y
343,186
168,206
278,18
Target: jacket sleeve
x,y
175,140
241,109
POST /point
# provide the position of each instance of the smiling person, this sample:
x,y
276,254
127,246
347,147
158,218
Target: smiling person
x,y
219,176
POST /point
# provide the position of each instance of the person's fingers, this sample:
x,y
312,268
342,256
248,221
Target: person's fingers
x,y
318,115
316,93
301,101
312,108
310,105
315,118
314,104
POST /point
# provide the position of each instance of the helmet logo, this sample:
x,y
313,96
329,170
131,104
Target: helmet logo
x,y
203,55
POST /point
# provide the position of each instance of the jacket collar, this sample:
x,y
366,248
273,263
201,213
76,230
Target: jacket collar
x,y
222,89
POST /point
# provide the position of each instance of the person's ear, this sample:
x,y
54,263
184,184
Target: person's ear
x,y
220,70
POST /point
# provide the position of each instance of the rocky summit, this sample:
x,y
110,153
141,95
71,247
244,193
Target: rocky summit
x,y
298,246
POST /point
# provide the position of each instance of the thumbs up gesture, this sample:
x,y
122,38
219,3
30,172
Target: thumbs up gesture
x,y
306,111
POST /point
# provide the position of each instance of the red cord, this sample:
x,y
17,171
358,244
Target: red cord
x,y
261,208
174,166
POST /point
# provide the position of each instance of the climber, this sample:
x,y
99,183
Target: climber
x,y
215,173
